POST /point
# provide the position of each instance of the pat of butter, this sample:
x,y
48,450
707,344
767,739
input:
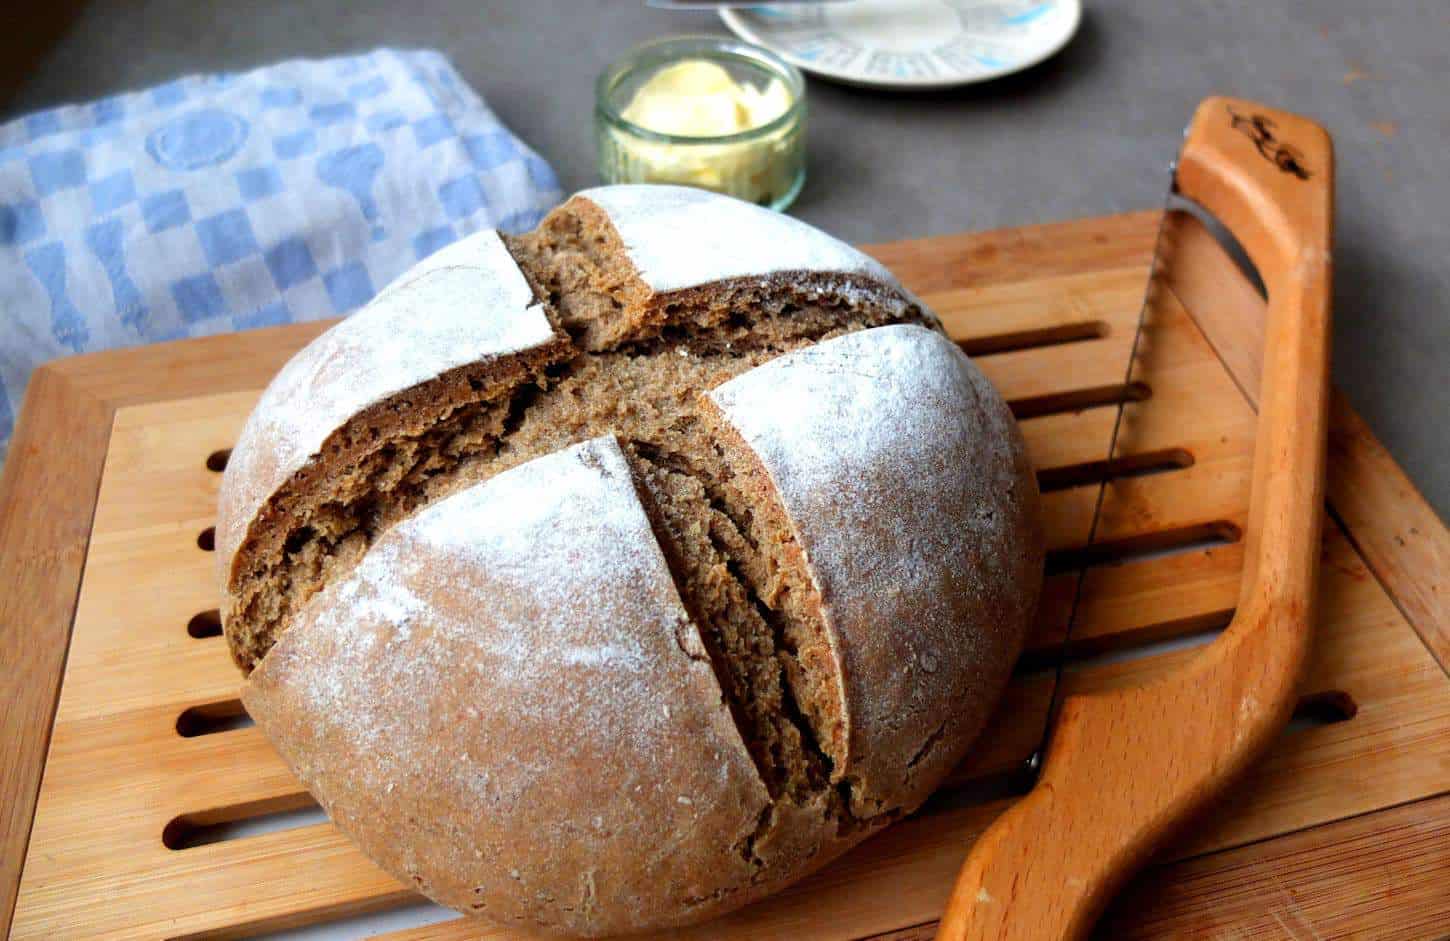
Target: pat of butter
x,y
697,98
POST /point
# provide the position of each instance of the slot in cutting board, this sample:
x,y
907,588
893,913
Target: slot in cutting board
x,y
151,763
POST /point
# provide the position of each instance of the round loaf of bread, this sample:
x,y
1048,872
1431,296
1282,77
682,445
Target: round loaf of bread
x,y
614,575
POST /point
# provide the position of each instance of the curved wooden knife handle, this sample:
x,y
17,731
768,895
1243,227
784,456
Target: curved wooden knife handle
x,y
1124,768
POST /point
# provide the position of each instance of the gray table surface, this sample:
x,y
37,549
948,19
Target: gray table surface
x,y
1087,133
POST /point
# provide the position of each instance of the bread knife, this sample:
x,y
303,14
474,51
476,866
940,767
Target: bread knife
x,y
1119,771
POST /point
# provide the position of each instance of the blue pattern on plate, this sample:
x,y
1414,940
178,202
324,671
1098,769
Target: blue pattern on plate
x,y
1028,15
218,203
968,40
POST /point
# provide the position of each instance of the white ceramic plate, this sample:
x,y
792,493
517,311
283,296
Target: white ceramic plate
x,y
911,43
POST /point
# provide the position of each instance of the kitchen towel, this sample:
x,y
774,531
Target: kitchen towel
x,y
223,202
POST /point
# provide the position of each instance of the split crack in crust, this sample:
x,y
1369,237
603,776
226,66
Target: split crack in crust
x,y
635,367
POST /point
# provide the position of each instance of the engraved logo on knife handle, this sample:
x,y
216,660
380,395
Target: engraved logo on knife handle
x,y
1281,154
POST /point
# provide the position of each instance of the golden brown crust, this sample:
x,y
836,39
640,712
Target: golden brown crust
x,y
318,522
587,602
558,757
903,478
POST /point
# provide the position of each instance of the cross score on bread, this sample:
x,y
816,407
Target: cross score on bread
x,y
614,575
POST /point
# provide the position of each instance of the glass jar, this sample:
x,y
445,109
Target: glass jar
x,y
763,165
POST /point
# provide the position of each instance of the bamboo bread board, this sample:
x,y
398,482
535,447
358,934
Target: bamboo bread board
x,y
1342,831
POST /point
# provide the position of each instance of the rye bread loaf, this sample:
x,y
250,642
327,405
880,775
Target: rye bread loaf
x,y
612,576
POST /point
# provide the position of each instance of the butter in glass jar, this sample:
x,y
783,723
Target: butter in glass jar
x,y
710,112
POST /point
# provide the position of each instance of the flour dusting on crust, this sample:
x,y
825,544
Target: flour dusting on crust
x,y
497,689
680,237
463,687
466,304
899,467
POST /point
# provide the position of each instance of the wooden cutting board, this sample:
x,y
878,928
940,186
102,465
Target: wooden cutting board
x,y
163,814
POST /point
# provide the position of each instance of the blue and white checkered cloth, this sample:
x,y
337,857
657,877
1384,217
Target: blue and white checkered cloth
x,y
224,202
